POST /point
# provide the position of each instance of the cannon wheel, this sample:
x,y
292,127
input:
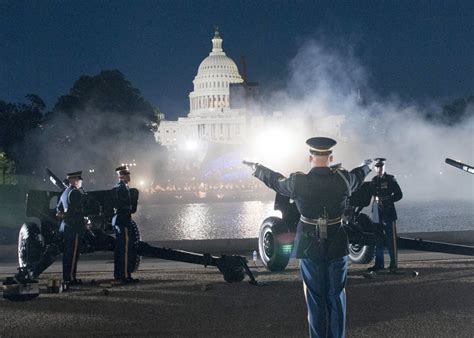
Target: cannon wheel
x,y
273,254
363,254
30,245
134,258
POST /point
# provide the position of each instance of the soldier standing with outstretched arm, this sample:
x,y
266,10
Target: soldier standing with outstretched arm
x,y
122,223
386,192
70,208
321,242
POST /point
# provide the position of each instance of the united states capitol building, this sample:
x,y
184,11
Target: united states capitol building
x,y
222,111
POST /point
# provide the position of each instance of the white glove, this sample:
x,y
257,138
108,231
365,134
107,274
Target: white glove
x,y
368,163
252,165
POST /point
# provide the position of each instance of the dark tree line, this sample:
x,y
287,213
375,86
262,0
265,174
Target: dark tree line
x,y
107,92
454,112
102,121
16,121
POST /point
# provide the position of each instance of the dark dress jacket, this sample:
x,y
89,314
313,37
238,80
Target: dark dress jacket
x,y
322,191
122,203
71,204
386,189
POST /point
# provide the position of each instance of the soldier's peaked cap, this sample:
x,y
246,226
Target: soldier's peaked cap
x,y
320,145
379,161
75,174
122,170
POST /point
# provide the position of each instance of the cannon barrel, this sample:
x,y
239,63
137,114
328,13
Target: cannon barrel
x,y
433,246
466,167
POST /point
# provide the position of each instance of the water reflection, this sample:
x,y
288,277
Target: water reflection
x,y
203,221
193,221
243,219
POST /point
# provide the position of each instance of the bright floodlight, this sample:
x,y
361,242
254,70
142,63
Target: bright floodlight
x,y
191,145
142,182
274,142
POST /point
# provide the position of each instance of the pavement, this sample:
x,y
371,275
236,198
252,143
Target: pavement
x,y
186,300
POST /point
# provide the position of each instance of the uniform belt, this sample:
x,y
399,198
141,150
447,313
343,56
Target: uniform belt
x,y
313,221
382,198
323,226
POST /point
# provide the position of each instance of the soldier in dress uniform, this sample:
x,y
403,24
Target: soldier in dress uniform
x,y
386,192
122,222
321,243
70,210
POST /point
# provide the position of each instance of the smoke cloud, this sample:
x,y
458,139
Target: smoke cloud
x,y
95,142
325,81
327,93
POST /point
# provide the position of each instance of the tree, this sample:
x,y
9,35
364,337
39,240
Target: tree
x,y
7,170
454,112
102,122
108,92
16,120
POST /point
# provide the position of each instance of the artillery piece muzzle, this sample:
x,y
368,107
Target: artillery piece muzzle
x,y
463,166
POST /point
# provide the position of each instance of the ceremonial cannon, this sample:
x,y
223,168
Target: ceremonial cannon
x,y
40,242
276,235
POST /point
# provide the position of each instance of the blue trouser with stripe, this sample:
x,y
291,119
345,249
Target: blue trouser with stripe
x,y
324,286
390,241
70,253
121,266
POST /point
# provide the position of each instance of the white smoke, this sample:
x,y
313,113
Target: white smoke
x,y
96,142
326,81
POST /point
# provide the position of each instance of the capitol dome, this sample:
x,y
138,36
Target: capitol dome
x,y
211,84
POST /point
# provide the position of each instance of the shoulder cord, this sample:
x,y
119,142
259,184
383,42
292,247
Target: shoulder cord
x,y
349,194
345,181
69,196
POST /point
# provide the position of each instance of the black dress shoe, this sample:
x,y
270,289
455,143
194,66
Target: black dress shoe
x,y
375,268
393,268
131,280
75,282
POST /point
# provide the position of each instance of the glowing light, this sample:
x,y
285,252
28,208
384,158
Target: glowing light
x,y
274,142
141,182
191,145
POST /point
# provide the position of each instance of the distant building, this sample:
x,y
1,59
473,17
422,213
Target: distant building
x,y
211,117
221,112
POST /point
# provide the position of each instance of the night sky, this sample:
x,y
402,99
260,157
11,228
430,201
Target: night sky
x,y
418,50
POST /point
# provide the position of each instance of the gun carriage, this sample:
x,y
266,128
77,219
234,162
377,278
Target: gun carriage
x,y
40,242
276,234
